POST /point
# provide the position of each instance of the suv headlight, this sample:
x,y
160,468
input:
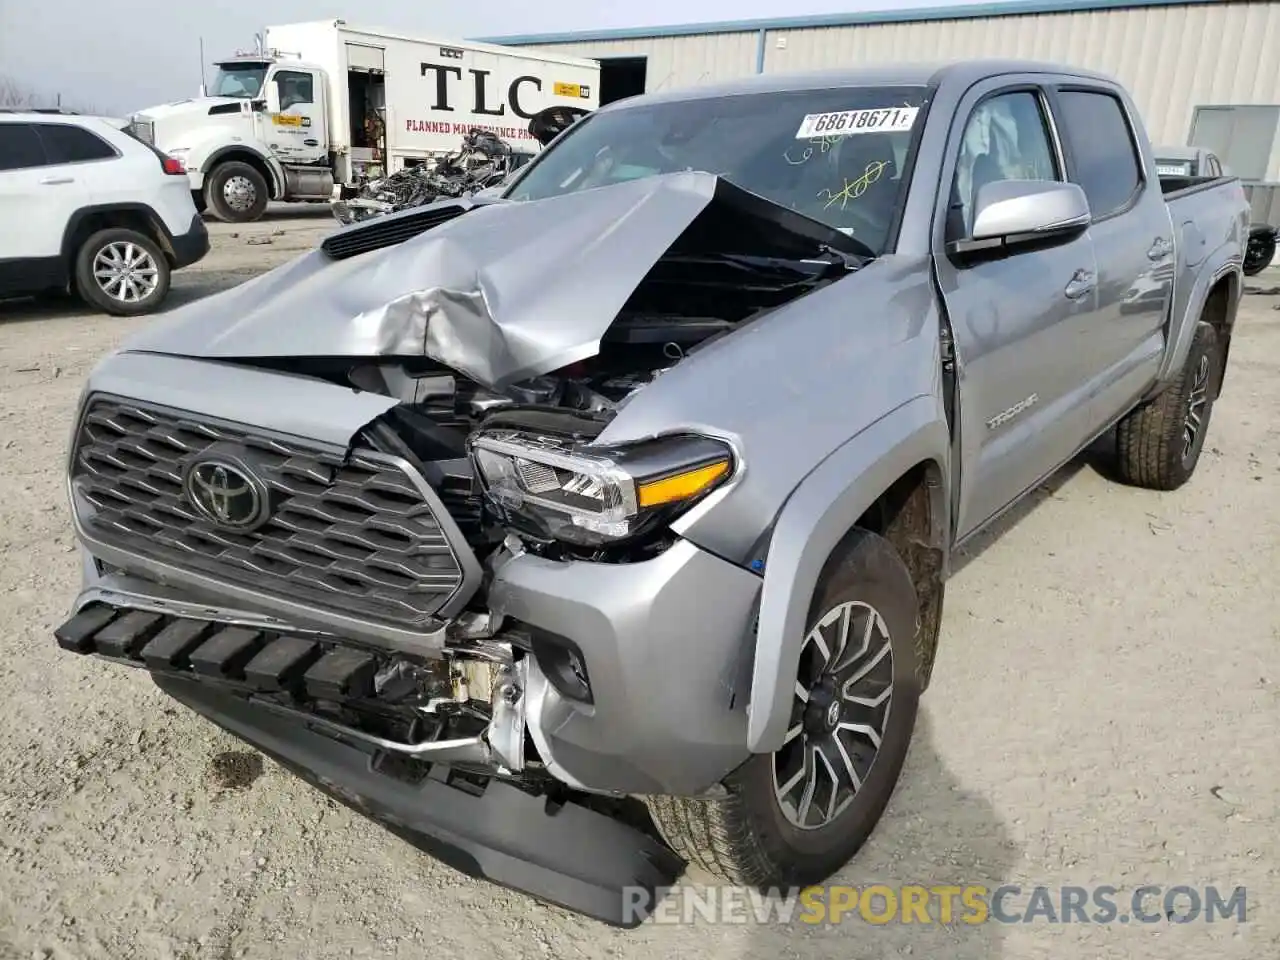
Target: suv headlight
x,y
557,489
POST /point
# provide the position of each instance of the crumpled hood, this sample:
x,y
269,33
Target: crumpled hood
x,y
505,292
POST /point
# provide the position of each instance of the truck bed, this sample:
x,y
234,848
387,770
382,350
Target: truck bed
x,y
1176,186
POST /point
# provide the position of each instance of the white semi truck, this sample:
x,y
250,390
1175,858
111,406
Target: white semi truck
x,y
318,107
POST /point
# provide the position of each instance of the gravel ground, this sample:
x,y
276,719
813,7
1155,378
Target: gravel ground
x,y
1106,699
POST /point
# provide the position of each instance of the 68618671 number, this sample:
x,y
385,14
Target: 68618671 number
x,y
846,122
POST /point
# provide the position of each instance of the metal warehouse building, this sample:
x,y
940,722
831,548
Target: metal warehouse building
x,y
1203,71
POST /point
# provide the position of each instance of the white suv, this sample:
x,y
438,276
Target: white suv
x,y
84,204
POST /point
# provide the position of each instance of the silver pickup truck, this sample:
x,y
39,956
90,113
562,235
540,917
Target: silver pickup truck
x,y
602,526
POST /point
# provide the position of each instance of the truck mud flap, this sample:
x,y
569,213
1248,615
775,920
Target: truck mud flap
x,y
565,854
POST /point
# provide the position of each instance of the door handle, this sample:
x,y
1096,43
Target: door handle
x,y
54,181
1082,284
1160,249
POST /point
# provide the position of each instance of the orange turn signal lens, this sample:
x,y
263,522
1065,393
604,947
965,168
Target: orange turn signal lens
x,y
682,486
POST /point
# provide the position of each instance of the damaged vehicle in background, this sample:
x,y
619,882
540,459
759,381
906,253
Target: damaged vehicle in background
x,y
602,526
483,162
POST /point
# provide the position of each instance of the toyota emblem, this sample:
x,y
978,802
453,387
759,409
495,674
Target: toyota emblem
x,y
226,495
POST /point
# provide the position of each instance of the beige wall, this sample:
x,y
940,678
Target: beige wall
x,y
678,61
1171,58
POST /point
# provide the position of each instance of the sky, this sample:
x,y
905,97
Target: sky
x,y
122,55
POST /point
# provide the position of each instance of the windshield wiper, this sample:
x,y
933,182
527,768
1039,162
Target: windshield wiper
x,y
789,269
850,261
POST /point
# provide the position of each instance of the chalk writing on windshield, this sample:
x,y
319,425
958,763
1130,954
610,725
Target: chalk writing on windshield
x,y
855,188
822,143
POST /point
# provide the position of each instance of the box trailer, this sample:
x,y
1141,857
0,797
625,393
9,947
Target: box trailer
x,y
317,108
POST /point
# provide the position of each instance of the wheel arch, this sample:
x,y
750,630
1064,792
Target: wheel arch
x,y
87,221
893,476
1219,311
1215,299
265,164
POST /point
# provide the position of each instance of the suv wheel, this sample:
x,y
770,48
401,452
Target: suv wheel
x,y
236,192
795,817
1158,445
122,272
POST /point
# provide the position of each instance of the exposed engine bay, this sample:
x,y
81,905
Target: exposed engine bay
x,y
734,263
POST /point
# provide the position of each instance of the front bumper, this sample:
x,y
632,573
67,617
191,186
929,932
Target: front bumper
x,y
190,247
570,856
663,644
666,646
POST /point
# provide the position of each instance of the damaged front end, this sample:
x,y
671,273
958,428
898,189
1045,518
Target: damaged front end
x,y
365,492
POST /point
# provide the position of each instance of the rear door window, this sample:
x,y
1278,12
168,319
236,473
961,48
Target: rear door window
x,y
19,147
64,143
1104,160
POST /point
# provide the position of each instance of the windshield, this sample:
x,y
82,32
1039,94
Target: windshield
x,y
242,80
837,155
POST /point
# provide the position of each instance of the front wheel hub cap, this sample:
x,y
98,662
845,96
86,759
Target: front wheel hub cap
x,y
839,715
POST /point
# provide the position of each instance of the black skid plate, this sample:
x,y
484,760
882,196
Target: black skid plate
x,y
566,854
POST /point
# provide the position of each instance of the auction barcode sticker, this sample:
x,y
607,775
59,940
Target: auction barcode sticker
x,y
847,122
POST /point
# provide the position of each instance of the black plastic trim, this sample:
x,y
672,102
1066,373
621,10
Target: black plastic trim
x,y
191,247
566,855
23,275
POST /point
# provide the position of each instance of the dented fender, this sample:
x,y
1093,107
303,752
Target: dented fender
x,y
823,508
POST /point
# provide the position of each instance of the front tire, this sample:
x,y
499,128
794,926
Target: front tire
x,y
795,817
1158,445
122,272
236,193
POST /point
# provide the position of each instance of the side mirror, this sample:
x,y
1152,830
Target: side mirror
x,y
1014,213
272,93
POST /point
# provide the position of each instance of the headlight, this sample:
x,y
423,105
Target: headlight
x,y
557,489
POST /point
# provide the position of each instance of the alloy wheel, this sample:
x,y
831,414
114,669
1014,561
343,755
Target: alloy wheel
x,y
125,272
839,715
1196,404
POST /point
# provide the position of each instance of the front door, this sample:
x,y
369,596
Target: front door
x,y
1021,323
297,133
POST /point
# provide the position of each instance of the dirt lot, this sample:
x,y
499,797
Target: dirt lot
x,y
1106,711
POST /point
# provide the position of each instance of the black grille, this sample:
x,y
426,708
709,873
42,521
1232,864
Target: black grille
x,y
389,230
348,533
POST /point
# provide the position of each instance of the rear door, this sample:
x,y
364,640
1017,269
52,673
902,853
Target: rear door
x,y
1132,236
37,200
1021,324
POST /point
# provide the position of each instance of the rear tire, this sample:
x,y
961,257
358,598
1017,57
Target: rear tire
x,y
122,272
1158,445
766,835
236,193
